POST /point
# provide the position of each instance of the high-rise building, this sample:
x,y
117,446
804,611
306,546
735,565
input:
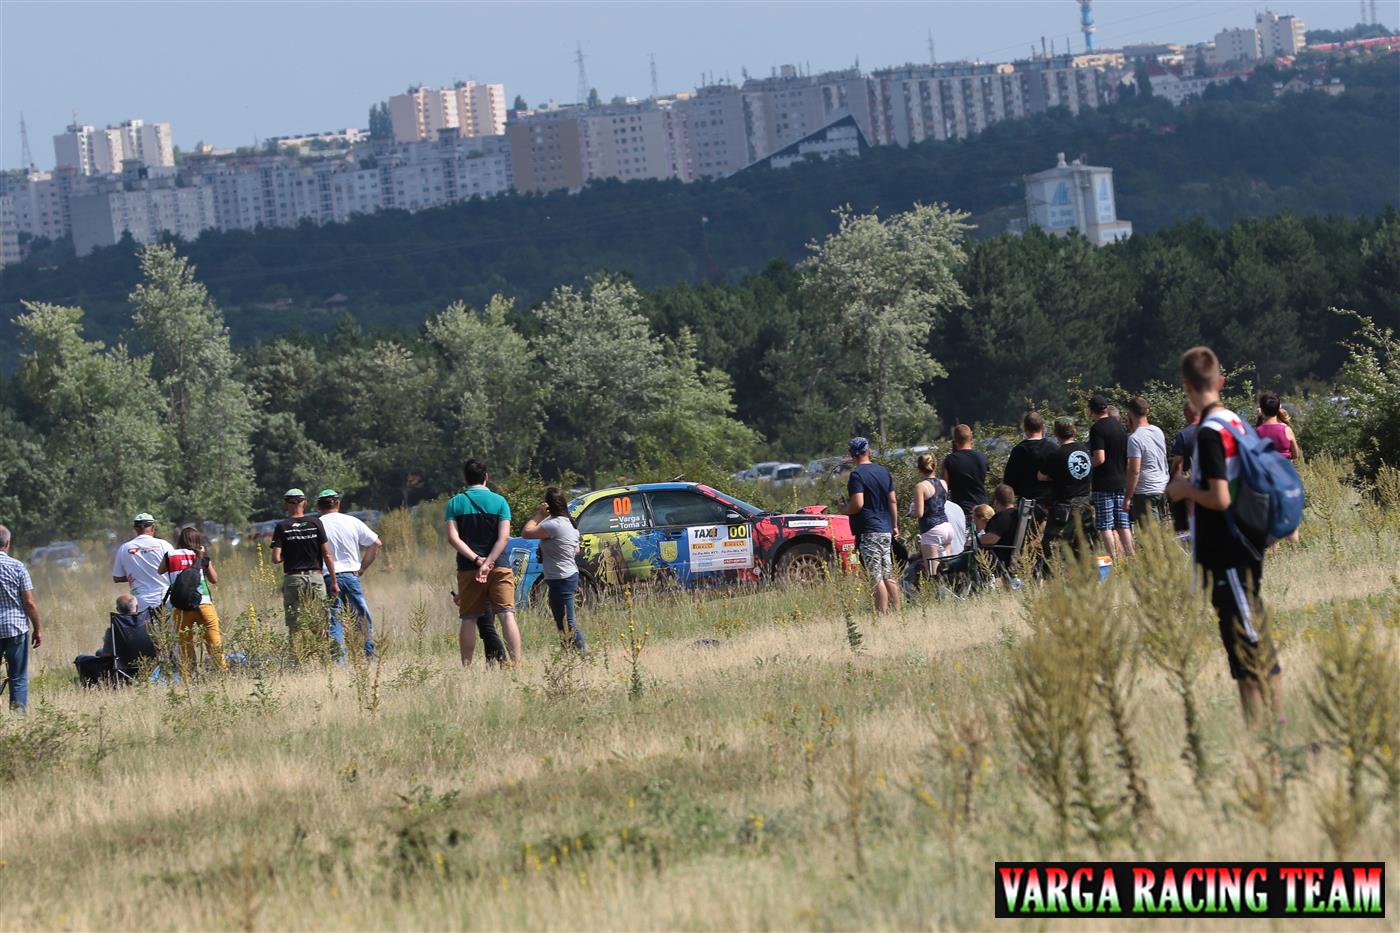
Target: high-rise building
x,y
546,150
1280,35
789,106
9,232
1075,196
717,131
145,209
1235,46
469,108
102,151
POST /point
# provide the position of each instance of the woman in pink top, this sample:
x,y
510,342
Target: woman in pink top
x,y
1273,424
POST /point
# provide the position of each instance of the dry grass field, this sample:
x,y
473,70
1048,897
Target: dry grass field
x,y
749,766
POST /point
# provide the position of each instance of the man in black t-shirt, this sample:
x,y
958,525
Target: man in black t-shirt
x,y
1233,567
299,545
1108,443
1022,471
999,536
1068,470
965,472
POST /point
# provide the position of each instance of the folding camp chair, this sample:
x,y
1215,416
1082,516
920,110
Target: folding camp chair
x,y
129,641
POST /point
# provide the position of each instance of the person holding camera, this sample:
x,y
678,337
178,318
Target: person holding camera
x,y
553,527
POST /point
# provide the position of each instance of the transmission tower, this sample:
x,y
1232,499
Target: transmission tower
x,y
1364,20
932,50
655,85
1374,21
25,154
583,86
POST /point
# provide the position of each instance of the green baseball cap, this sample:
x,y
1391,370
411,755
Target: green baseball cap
x,y
327,494
144,518
294,493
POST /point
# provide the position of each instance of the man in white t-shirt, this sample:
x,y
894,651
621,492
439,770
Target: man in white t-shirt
x,y
137,563
346,535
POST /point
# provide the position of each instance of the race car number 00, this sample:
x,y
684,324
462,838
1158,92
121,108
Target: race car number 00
x,y
622,505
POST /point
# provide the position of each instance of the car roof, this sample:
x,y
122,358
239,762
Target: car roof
x,y
589,498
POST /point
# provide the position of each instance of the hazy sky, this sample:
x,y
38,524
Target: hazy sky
x,y
227,73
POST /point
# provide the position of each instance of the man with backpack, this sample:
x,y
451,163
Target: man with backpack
x,y
1228,547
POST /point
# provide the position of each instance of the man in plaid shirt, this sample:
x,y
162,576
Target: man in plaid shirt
x,y
18,617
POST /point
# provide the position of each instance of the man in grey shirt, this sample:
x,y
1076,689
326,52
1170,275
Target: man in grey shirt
x,y
1147,466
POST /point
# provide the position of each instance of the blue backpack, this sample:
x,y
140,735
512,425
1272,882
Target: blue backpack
x,y
1268,501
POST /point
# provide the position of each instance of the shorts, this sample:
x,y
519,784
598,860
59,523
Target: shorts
x,y
875,555
498,592
940,536
1109,512
1152,506
1244,629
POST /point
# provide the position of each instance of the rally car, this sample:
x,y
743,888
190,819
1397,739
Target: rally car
x,y
687,534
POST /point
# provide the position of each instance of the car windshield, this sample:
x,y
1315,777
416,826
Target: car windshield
x,y
739,504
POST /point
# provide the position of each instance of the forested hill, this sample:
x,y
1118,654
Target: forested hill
x,y
1239,153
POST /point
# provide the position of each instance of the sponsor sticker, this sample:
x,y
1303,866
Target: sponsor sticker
x,y
719,547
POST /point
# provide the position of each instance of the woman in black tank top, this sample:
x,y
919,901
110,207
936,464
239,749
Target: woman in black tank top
x,y
930,508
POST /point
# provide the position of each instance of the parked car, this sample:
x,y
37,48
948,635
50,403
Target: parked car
x,y
786,473
762,470
58,555
690,535
369,516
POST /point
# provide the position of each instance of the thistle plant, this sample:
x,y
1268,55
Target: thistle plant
x,y
1173,626
1356,701
634,639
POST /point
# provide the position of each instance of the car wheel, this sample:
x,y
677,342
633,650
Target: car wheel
x,y
804,563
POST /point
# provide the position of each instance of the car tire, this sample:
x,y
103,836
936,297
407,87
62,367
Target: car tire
x,y
807,562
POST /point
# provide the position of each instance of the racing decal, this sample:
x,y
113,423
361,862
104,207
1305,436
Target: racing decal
x,y
626,516
808,523
719,547
670,550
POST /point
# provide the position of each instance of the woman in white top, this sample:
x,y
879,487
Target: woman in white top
x,y
554,528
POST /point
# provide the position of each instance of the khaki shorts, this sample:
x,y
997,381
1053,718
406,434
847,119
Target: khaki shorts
x,y
473,597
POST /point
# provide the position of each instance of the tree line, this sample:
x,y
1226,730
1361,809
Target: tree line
x,y
1239,153
893,326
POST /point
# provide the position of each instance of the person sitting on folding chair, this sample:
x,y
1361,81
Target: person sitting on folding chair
x,y
998,534
125,645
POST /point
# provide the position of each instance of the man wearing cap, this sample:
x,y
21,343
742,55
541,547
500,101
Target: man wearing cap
x,y
874,511
346,534
137,563
1108,445
299,545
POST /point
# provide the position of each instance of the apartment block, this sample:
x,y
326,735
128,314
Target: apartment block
x,y
1235,46
1280,35
469,108
546,150
93,151
9,232
145,210
716,131
789,106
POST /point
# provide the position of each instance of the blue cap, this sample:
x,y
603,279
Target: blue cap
x,y
860,446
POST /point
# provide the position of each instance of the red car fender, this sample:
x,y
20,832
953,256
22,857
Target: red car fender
x,y
772,533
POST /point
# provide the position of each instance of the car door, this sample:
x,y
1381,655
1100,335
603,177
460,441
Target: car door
x,y
616,538
699,536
